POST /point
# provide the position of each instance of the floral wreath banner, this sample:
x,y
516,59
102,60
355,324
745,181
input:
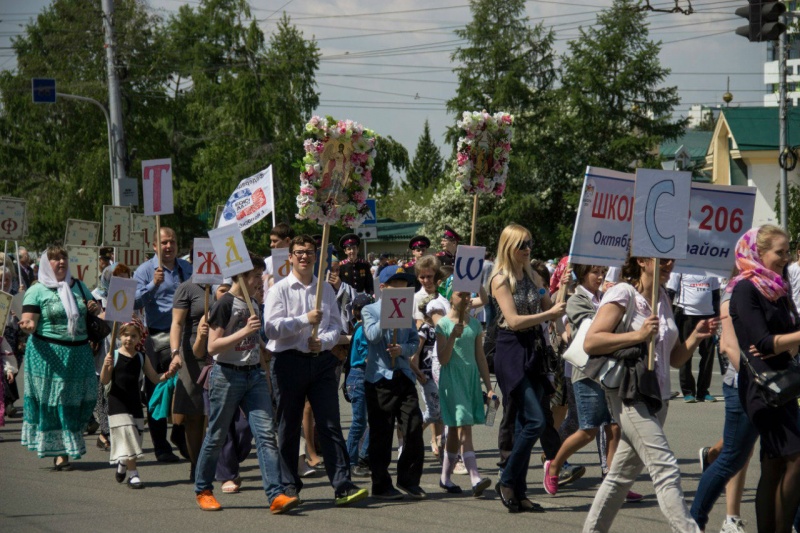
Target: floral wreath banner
x,y
483,151
337,171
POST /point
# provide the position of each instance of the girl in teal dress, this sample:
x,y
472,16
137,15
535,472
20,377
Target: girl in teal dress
x,y
463,365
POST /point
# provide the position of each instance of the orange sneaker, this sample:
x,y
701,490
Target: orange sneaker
x,y
284,504
207,501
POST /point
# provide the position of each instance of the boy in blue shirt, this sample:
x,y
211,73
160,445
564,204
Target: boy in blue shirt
x,y
391,393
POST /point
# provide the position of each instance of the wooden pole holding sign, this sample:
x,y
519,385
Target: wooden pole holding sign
x,y
5,254
113,343
246,294
474,219
394,341
158,239
205,301
654,297
323,265
19,267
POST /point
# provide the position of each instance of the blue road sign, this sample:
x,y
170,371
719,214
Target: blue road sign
x,y
372,217
44,90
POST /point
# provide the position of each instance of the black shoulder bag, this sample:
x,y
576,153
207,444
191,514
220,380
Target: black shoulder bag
x,y
97,329
776,387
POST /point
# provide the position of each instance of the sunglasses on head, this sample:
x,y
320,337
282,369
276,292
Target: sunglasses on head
x,y
525,245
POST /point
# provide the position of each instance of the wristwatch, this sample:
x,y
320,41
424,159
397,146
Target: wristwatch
x,y
175,352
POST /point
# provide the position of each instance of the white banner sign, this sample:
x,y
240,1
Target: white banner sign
x,y
121,295
206,270
719,216
231,251
116,226
133,255
82,232
661,213
252,200
468,268
603,225
397,306
5,308
281,267
13,225
157,186
83,264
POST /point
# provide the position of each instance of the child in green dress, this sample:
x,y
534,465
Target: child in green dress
x,y
460,353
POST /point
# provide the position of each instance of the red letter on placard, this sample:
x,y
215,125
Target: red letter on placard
x,y
156,171
396,303
208,266
82,271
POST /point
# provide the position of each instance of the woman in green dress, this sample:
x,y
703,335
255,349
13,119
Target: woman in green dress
x,y
459,348
60,381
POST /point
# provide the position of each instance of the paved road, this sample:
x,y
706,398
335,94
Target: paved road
x,y
34,498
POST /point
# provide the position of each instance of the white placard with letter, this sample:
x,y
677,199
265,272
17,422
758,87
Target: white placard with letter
x,y
83,264
661,213
116,226
206,269
5,307
603,223
231,250
121,295
133,255
147,225
719,216
82,232
397,306
281,267
157,186
13,222
468,268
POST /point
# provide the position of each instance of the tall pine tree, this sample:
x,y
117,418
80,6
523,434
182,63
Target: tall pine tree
x,y
427,168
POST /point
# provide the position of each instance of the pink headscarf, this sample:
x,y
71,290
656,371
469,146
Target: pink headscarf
x,y
750,266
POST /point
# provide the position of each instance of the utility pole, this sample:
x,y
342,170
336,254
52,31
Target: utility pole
x,y
783,52
114,101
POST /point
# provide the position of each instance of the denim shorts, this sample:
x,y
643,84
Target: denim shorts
x,y
591,402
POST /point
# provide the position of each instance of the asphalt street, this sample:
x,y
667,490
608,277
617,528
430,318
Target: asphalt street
x,y
34,498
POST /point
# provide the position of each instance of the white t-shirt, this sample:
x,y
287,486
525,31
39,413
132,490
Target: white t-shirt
x,y
418,297
667,331
794,281
694,293
268,266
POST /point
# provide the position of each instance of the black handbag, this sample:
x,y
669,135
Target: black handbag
x,y
776,387
97,329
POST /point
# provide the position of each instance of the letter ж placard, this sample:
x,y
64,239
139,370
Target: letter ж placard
x,y
121,295
397,307
206,268
468,268
231,251
661,213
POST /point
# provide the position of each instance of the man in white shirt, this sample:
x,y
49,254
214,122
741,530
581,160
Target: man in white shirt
x,y
279,237
304,367
696,297
794,279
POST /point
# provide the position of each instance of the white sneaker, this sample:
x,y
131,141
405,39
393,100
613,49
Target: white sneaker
x,y
303,470
737,526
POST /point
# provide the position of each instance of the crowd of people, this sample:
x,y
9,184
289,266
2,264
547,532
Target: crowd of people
x,y
255,362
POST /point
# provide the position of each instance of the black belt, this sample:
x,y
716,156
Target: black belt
x,y
154,331
60,341
239,368
358,366
302,354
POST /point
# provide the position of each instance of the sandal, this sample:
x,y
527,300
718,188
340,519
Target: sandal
x,y
531,507
512,504
103,444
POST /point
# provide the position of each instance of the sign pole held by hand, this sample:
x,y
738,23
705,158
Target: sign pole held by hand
x,y
158,239
394,341
113,344
323,266
205,300
246,296
654,297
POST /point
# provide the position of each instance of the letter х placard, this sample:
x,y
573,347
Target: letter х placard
x,y
661,213
206,267
397,307
468,268
232,255
121,296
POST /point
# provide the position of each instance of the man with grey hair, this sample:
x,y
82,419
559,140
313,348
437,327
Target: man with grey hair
x,y
26,271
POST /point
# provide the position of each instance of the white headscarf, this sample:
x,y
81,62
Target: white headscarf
x,y
48,278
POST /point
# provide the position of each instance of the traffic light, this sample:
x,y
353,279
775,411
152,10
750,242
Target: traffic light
x,y
764,20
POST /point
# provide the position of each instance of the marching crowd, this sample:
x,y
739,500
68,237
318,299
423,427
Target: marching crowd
x,y
253,363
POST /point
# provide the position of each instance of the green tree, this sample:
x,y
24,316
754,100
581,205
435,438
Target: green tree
x,y
428,166
390,155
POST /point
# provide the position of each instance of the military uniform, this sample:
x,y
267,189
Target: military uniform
x,y
356,274
445,257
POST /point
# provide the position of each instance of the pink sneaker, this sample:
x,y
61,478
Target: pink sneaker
x,y
550,482
633,497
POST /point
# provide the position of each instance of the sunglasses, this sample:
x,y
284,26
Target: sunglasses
x,y
525,245
665,261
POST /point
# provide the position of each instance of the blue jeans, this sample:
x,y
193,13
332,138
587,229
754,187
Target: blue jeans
x,y
358,428
529,426
230,389
739,437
